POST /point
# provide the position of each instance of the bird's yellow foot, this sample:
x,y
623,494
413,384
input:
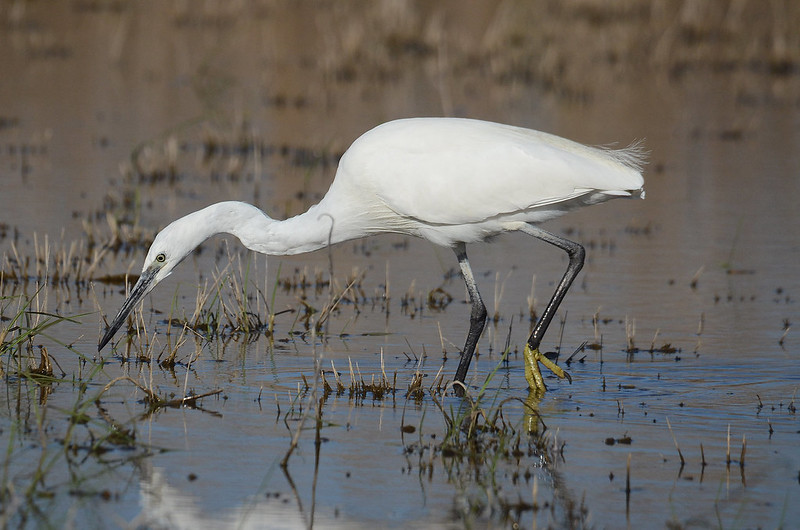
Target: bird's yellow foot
x,y
532,358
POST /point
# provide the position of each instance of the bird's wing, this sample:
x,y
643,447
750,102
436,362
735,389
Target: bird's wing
x,y
465,171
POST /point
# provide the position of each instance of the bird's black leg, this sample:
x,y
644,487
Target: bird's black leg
x,y
477,317
532,356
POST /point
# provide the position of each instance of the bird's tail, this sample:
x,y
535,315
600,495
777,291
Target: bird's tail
x,y
634,156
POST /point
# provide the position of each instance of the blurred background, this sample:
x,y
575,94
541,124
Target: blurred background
x,y
118,116
100,98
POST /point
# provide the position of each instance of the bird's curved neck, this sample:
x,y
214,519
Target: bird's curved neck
x,y
309,231
306,232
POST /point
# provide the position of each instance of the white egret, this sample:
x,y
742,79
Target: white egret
x,y
448,180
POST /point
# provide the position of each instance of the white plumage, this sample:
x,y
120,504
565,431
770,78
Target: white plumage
x,y
448,180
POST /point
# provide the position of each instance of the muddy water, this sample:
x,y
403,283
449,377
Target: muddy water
x,y
139,113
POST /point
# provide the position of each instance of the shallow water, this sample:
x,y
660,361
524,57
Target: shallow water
x,y
145,112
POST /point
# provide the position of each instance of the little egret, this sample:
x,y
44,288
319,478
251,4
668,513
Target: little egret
x,y
451,181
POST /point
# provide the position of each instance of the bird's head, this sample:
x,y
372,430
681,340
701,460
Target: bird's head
x,y
182,236
169,248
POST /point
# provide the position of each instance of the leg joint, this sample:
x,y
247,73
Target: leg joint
x,y
478,313
577,252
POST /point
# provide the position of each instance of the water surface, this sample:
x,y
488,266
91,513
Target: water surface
x,y
130,115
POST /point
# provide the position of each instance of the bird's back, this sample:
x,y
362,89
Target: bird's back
x,y
454,171
425,176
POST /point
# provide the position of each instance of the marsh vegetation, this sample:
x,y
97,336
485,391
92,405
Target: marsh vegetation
x,y
315,390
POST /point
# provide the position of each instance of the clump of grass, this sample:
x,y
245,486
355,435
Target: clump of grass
x,y
351,295
482,439
230,312
228,307
157,161
415,389
439,299
336,300
359,389
19,334
45,368
301,281
74,263
412,303
666,347
67,264
85,430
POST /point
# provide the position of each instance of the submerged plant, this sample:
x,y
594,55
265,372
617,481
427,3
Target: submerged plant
x,y
19,332
486,441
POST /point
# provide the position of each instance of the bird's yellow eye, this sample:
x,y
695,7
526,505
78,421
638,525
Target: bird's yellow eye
x,y
161,258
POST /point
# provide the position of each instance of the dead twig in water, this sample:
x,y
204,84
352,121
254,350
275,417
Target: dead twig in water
x,y
153,401
683,462
312,396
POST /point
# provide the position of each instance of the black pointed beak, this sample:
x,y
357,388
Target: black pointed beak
x,y
142,287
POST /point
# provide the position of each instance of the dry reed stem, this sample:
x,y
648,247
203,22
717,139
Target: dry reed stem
x,y
728,447
683,462
744,450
